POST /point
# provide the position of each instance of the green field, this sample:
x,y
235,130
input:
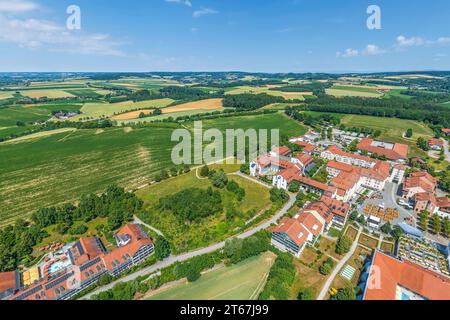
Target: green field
x,y
30,113
353,91
62,167
185,237
392,130
257,90
173,115
104,109
279,121
243,281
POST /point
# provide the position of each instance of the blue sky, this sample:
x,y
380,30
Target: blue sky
x,y
224,35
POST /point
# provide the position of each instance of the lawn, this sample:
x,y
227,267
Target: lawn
x,y
387,247
392,130
307,277
351,232
243,281
368,241
184,236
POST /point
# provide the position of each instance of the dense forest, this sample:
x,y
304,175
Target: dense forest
x,y
193,204
394,107
248,101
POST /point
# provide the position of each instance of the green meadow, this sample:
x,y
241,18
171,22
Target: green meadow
x,y
243,281
54,169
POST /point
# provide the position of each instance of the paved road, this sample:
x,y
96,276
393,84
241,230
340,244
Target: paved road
x,y
446,149
186,256
139,221
338,268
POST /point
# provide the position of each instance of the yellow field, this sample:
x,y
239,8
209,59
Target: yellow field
x,y
6,94
209,104
265,89
97,110
51,93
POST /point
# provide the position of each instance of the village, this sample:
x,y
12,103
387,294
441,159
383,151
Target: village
x,y
380,205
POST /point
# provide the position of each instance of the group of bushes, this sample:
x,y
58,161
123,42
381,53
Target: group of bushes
x,y
193,204
280,280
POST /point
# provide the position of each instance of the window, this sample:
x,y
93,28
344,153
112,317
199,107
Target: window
x,y
57,292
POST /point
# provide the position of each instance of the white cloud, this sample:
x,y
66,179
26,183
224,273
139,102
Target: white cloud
x,y
41,34
402,41
187,3
348,53
204,12
14,6
372,50
443,40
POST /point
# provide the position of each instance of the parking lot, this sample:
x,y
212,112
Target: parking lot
x,y
388,199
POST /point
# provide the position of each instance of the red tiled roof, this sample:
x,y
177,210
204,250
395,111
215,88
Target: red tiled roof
x,y
7,281
305,159
399,151
446,130
389,273
137,240
400,166
313,183
435,142
421,179
267,160
310,222
443,202
293,229
306,146
336,150
282,150
290,174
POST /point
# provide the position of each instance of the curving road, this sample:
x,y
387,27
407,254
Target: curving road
x,y
186,256
339,267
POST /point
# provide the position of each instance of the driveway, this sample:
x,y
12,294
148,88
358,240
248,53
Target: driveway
x,y
339,267
446,149
186,256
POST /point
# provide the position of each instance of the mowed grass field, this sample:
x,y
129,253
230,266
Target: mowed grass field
x,y
243,281
392,130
